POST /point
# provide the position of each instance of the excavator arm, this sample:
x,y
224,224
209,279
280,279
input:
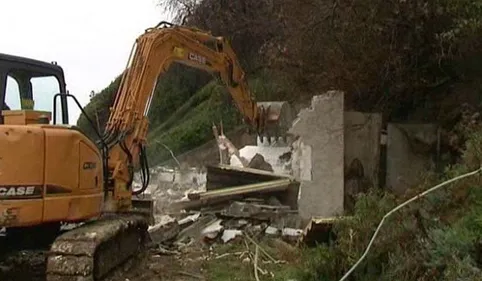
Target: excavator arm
x,y
152,55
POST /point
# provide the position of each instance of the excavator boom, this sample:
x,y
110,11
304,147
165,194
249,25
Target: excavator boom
x,y
152,54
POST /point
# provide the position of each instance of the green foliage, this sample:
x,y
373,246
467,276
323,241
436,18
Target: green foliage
x,y
98,110
172,91
191,125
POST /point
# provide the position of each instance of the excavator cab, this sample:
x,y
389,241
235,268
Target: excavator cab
x,y
27,88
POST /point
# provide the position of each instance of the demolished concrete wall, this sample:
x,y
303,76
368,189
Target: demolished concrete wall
x,y
362,142
320,129
170,185
410,148
277,157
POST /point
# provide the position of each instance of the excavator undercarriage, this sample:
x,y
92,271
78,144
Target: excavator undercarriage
x,y
94,249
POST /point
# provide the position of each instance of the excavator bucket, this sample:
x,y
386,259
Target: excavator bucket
x,y
277,118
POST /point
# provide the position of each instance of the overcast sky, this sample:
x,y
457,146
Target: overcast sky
x,y
90,39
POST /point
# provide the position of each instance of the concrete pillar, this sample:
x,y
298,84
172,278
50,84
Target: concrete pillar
x,y
321,133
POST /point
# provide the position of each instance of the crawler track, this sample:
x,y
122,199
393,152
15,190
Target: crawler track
x,y
92,250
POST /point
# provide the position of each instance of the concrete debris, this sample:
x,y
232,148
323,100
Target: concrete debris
x,y
165,229
292,232
278,158
272,230
194,230
233,201
172,185
230,234
259,163
212,230
189,219
254,211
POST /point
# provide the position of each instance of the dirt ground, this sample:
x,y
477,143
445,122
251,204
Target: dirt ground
x,y
151,266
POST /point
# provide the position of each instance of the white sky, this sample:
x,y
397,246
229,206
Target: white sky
x,y
90,39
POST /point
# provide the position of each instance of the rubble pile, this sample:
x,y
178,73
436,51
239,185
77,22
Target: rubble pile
x,y
170,185
257,203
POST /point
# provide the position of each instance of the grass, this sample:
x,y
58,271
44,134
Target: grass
x,y
232,266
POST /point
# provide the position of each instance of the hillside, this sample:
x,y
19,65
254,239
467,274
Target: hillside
x,y
184,107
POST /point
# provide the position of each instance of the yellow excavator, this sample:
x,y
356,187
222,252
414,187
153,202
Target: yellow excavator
x,y
51,173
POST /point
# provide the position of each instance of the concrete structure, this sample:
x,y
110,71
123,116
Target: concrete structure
x,y
326,140
362,142
410,148
321,130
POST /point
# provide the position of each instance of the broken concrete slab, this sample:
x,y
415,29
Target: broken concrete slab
x,y
212,230
255,211
272,155
189,219
321,132
258,162
272,230
194,230
166,228
230,234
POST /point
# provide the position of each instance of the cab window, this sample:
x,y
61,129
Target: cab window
x,y
43,91
12,94
36,93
